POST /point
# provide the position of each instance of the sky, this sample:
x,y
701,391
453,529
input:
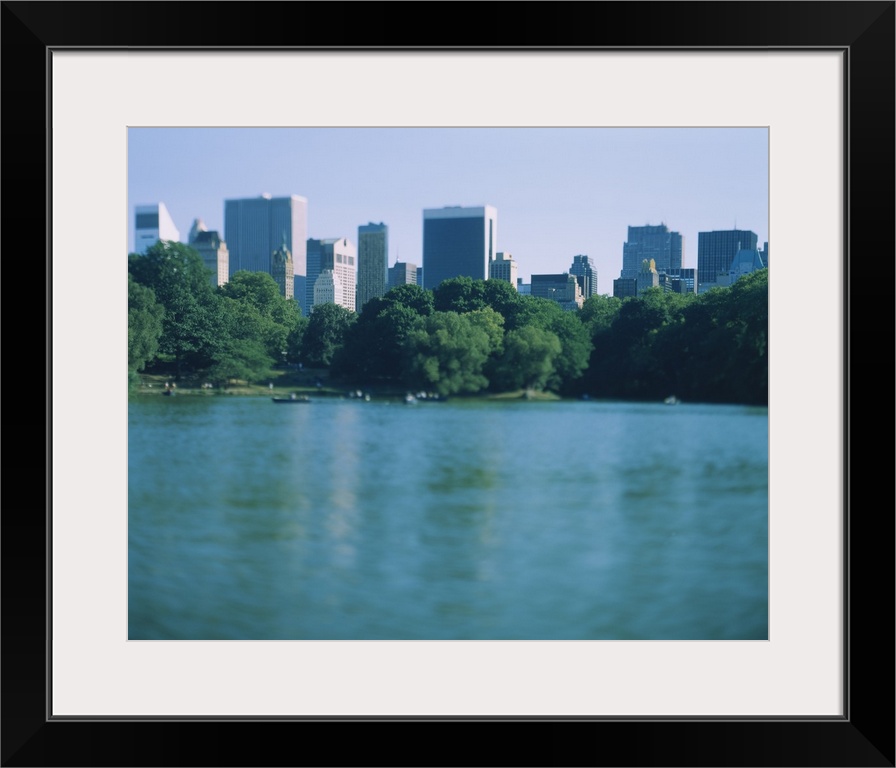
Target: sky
x,y
558,192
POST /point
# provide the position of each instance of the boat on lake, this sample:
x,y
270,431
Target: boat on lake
x,y
292,399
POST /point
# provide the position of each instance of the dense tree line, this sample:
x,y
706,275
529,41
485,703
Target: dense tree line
x,y
178,320
466,336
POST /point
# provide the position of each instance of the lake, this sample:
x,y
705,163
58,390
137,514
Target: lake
x,y
467,519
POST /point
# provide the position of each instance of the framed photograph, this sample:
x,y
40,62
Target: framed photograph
x,y
817,77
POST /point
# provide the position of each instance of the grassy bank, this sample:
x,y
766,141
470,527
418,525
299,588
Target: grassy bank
x,y
283,383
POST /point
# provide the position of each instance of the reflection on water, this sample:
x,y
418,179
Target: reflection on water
x,y
457,520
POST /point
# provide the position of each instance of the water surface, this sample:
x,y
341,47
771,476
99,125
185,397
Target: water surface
x,y
346,520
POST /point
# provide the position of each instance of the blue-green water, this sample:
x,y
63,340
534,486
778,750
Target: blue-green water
x,y
343,519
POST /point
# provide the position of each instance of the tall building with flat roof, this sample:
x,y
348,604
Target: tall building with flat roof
x,y
651,242
586,274
717,249
256,227
458,242
151,224
373,262
339,256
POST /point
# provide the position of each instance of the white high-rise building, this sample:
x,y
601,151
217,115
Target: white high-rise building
x,y
327,288
151,224
213,251
503,267
340,256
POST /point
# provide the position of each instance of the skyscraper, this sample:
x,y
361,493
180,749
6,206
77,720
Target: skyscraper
x,y
402,273
716,250
255,228
283,271
373,262
503,267
151,224
586,275
651,242
458,242
213,251
339,256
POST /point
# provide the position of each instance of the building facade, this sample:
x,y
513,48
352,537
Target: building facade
x,y
402,273
213,251
338,255
283,271
625,287
151,224
586,275
651,242
373,262
716,250
648,277
745,261
255,229
327,288
562,288
503,267
458,242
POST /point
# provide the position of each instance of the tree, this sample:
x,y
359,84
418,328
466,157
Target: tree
x,y
326,332
599,311
180,281
448,352
460,294
374,345
527,360
414,297
144,325
277,321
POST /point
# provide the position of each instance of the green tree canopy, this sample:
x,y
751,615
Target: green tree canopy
x,y
528,359
326,332
144,325
180,281
449,351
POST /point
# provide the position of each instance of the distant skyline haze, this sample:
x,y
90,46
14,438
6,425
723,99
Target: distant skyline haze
x,y
559,192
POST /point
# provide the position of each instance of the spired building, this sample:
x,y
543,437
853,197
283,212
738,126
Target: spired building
x,y
151,224
339,256
586,275
651,242
282,270
373,263
716,250
213,251
402,273
256,228
458,242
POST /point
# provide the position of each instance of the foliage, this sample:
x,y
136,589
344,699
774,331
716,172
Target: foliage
x,y
325,334
448,352
144,325
181,283
527,360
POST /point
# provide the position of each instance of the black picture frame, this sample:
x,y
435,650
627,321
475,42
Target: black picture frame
x,y
864,736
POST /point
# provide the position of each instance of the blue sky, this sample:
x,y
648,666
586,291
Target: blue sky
x,y
558,191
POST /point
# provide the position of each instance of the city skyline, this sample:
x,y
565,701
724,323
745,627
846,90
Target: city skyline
x,y
558,192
